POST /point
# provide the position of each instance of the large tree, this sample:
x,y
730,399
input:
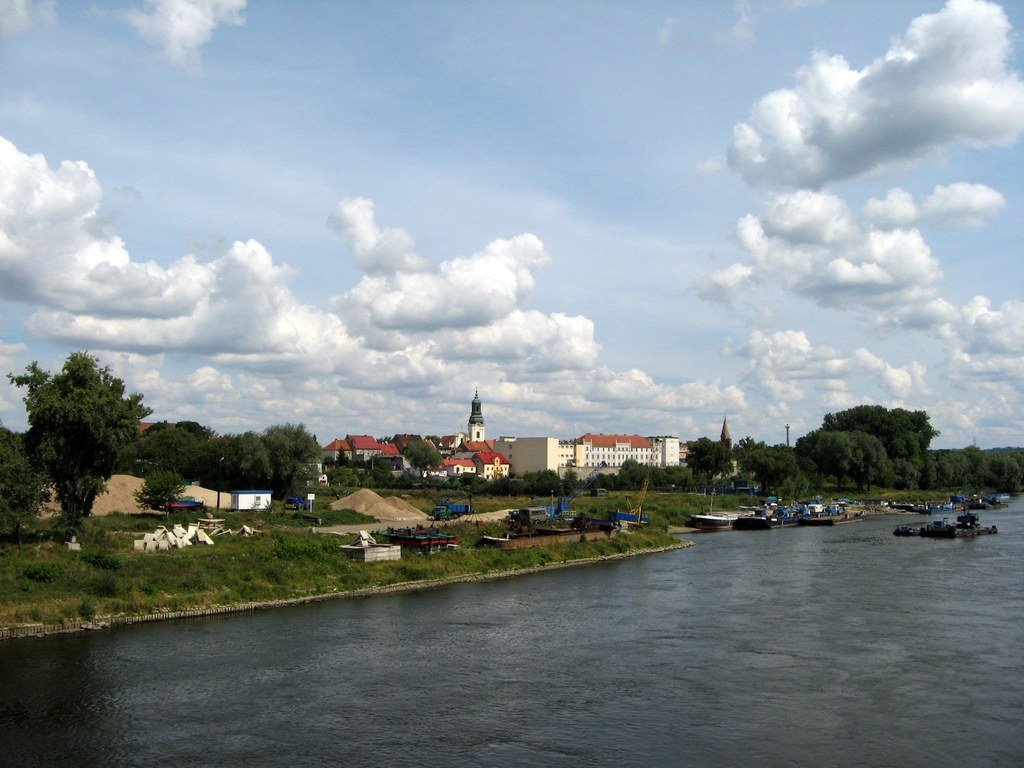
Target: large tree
x,y
422,455
904,434
79,419
708,459
293,452
22,487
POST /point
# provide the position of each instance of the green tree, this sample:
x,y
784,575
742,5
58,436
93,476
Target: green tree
x,y
869,463
422,455
292,452
708,459
771,467
79,419
22,487
160,487
248,463
904,434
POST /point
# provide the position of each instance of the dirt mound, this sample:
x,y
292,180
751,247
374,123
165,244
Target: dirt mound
x,y
120,496
369,503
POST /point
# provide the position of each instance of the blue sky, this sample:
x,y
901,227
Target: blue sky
x,y
607,218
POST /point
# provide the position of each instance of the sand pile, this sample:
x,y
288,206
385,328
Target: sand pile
x,y
120,496
369,503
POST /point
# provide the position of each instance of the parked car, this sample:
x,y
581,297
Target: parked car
x,y
185,504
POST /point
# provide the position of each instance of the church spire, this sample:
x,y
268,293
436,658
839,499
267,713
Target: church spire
x,y
476,419
726,438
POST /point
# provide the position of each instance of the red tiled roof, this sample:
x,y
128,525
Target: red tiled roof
x,y
389,449
337,444
476,446
457,463
610,441
488,457
363,443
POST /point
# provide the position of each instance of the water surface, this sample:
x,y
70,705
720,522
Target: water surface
x,y
806,646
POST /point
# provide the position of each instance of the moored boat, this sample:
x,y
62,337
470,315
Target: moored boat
x,y
761,520
712,521
967,524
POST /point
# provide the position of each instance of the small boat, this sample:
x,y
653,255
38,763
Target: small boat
x,y
833,514
761,520
712,521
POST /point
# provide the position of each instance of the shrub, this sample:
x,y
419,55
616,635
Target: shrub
x,y
103,560
42,572
105,585
86,609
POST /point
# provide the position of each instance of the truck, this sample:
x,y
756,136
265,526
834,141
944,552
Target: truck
x,y
445,509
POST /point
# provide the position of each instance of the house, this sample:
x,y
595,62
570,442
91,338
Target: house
x,y
437,474
392,457
335,450
363,447
457,467
490,465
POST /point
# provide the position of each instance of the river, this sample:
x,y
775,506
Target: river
x,y
796,647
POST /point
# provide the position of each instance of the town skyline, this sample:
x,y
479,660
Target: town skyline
x,y
608,219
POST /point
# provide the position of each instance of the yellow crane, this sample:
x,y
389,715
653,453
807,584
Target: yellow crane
x,y
638,509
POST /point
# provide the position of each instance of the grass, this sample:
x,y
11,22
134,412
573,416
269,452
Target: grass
x,y
45,583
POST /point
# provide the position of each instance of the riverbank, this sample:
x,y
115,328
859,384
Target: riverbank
x,y
105,622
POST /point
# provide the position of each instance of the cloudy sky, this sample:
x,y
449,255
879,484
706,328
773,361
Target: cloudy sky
x,y
606,218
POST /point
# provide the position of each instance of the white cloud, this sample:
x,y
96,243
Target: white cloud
x,y
17,16
810,243
402,292
49,217
182,27
955,205
946,80
962,205
784,366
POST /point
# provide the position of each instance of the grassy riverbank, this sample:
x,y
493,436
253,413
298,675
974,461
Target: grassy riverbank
x,y
47,584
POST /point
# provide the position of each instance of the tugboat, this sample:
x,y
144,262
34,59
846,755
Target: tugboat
x,y
967,524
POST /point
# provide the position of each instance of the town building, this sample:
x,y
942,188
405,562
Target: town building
x,y
529,454
490,466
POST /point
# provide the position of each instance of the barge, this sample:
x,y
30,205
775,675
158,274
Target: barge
x,y
967,524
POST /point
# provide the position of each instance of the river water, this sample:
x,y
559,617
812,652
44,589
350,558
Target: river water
x,y
798,647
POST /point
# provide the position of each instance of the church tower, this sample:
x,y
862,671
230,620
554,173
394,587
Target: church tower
x,y
726,438
476,420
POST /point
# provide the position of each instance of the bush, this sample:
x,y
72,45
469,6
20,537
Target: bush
x,y
103,560
44,573
105,585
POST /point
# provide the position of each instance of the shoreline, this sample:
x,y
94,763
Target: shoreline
x,y
101,622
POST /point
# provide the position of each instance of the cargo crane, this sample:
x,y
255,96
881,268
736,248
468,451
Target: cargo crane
x,y
560,507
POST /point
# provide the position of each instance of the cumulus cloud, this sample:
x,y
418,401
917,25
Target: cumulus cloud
x,y
410,332
783,365
17,16
182,27
810,243
954,205
405,293
946,80
49,216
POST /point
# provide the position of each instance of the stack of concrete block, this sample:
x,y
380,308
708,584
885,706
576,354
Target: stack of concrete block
x,y
178,537
366,548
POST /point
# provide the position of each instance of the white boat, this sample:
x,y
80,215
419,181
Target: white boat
x,y
712,521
